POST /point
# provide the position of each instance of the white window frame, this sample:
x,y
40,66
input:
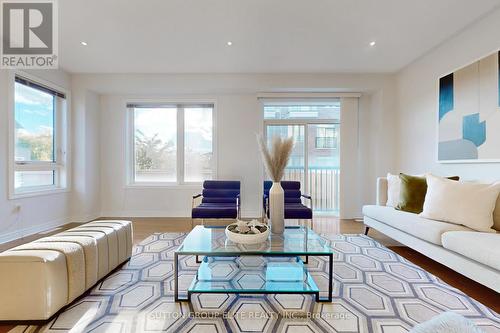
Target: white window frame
x,y
61,166
130,142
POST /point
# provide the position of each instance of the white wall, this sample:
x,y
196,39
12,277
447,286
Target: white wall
x,y
417,89
86,152
36,213
239,117
237,156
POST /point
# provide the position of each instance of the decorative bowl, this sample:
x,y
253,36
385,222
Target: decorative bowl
x,y
247,238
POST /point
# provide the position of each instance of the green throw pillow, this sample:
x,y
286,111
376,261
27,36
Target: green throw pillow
x,y
413,191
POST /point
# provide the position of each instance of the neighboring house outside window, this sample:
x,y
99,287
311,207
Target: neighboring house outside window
x,y
326,137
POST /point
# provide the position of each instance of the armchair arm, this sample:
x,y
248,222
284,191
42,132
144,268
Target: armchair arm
x,y
382,191
194,198
265,206
238,206
306,196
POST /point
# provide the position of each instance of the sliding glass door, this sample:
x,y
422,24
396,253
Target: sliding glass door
x,y
296,168
315,129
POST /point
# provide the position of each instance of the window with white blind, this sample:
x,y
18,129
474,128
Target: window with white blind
x,y
39,131
170,144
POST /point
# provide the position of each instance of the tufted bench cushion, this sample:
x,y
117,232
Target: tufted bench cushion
x,y
89,247
43,276
102,248
112,239
75,263
33,284
123,236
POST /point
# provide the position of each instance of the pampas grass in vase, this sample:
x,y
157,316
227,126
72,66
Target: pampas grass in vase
x,y
275,161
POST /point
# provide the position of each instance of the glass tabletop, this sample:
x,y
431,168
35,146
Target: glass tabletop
x,y
294,241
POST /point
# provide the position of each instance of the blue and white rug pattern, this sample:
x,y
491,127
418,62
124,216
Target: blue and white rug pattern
x,y
374,290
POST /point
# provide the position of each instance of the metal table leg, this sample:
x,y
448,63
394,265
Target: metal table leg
x,y
330,282
176,280
176,277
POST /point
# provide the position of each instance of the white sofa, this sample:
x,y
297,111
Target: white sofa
x,y
471,253
39,278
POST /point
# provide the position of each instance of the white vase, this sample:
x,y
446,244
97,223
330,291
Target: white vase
x,y
277,208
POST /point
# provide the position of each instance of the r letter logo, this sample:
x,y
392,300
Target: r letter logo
x,y
29,34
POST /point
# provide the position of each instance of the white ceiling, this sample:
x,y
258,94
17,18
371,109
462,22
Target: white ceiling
x,y
269,36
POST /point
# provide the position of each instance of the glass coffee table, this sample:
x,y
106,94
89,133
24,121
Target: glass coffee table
x,y
282,277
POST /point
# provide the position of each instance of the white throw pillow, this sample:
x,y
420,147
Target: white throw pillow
x,y
393,190
468,204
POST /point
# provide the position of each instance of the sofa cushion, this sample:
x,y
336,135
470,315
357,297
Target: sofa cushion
x,y
425,229
483,247
468,204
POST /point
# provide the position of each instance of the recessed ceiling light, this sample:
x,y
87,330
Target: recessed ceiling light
x,y
372,43
229,43
84,43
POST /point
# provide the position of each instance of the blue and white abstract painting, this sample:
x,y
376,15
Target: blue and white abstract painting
x,y
469,113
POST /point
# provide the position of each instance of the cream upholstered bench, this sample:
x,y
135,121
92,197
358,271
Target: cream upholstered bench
x,y
37,279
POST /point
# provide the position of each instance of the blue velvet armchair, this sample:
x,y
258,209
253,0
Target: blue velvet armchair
x,y
220,199
294,208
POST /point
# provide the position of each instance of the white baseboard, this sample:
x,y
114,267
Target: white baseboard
x,y
84,218
24,232
143,213
20,233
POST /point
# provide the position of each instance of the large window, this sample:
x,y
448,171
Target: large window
x,y
171,143
39,130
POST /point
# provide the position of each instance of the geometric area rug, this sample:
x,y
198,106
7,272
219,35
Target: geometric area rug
x,y
374,290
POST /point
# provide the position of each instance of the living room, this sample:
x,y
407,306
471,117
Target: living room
x,y
149,128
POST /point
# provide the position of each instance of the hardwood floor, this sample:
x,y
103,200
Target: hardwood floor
x,y
143,227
